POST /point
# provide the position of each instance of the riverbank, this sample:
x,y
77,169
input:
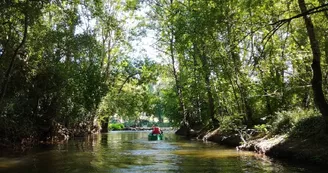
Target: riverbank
x,y
297,135
55,134
308,149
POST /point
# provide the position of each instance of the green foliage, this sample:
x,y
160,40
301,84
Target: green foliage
x,y
162,124
293,121
263,128
134,92
116,126
229,63
57,74
57,66
171,106
231,123
309,127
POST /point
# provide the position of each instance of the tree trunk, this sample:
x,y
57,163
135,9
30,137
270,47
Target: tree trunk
x,y
12,62
109,57
196,81
266,96
104,125
206,71
322,2
185,122
319,97
178,88
247,107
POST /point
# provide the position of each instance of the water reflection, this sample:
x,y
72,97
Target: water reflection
x,y
132,152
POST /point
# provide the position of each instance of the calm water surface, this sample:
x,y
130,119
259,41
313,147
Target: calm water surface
x,y
132,152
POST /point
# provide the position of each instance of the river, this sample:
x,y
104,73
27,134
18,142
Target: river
x,y
132,152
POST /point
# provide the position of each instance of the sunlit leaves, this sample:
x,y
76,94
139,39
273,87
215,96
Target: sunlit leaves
x,y
254,65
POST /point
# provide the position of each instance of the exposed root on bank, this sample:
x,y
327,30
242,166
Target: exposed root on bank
x,y
262,145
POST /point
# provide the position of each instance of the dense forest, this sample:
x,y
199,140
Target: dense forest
x,y
237,65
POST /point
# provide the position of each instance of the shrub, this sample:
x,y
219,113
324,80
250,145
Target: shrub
x,y
309,127
162,124
283,123
116,126
262,128
297,121
231,123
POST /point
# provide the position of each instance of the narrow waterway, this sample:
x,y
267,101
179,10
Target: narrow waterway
x,y
132,152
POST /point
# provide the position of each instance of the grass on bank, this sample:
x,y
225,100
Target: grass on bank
x,y
306,138
297,135
295,124
298,123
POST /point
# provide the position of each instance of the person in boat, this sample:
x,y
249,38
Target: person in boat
x,y
156,130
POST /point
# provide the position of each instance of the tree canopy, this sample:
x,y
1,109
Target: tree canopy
x,y
223,62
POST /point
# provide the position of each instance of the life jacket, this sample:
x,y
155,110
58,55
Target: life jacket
x,y
156,130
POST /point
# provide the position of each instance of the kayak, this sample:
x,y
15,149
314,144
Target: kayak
x,y
155,137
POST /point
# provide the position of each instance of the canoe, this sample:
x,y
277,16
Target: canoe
x,y
155,137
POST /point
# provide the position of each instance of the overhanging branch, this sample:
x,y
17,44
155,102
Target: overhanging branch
x,y
126,80
278,24
314,10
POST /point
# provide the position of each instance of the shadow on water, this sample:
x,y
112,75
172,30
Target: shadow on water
x,y
132,152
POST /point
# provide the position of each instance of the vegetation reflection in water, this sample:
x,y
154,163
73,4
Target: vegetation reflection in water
x,y
132,152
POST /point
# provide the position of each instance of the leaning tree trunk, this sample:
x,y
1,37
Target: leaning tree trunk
x,y
319,97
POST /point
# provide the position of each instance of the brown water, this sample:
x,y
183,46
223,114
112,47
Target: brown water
x,y
132,152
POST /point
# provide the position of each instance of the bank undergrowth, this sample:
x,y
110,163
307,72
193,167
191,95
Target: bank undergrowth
x,y
296,134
